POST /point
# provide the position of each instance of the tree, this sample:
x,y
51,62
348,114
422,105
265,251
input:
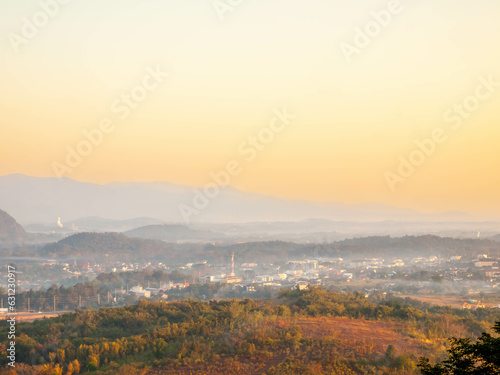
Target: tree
x,y
479,358
390,353
50,369
70,370
159,347
76,366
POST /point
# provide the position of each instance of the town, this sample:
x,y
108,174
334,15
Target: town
x,y
460,282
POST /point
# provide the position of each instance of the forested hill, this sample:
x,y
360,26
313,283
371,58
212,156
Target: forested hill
x,y
375,246
120,247
99,244
10,230
428,244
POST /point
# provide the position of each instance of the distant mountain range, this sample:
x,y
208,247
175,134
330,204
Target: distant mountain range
x,y
43,200
495,237
93,224
173,233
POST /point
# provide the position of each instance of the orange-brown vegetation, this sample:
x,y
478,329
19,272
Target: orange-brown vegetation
x,y
303,332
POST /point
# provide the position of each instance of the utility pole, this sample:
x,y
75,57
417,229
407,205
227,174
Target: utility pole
x,y
28,304
2,303
108,296
232,265
98,299
54,303
79,301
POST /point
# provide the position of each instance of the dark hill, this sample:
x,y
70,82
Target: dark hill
x,y
101,245
10,230
119,247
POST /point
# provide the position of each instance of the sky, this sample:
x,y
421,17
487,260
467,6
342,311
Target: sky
x,y
364,83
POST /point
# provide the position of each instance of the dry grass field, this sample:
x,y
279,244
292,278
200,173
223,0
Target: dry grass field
x,y
364,338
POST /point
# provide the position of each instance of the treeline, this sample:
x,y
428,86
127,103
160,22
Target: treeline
x,y
417,246
231,336
154,278
110,289
61,298
97,293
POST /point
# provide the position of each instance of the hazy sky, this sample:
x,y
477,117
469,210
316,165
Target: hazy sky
x,y
354,119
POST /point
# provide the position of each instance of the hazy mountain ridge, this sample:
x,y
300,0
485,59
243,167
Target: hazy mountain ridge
x,y
172,233
495,237
33,199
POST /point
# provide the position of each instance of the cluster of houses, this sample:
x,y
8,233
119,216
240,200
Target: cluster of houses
x,y
162,291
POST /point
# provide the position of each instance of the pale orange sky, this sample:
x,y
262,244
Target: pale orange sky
x,y
354,120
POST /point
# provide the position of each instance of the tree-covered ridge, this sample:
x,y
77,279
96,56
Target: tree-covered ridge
x,y
99,244
118,246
